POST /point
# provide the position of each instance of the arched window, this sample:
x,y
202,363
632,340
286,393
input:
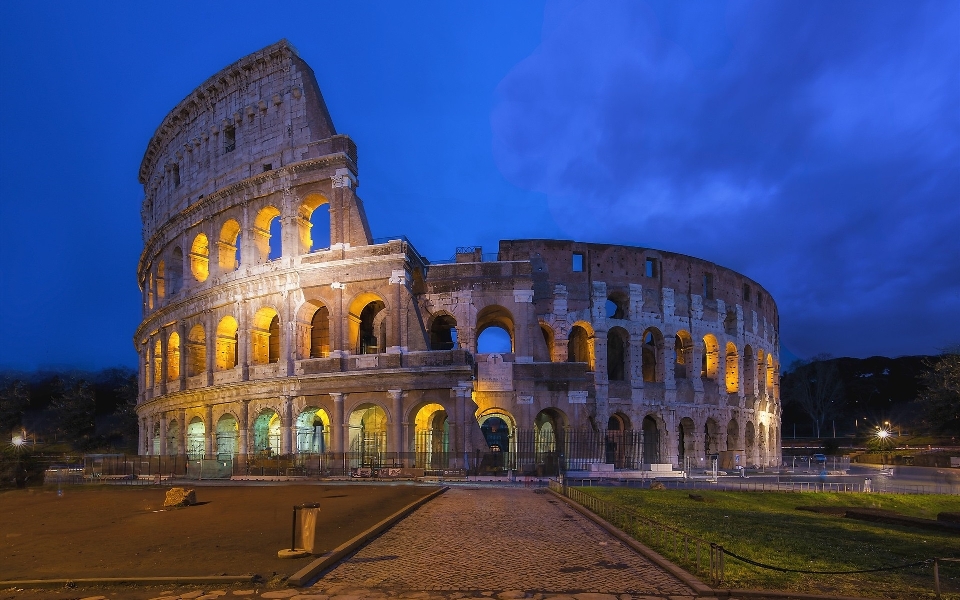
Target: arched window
x,y
227,347
200,258
683,352
314,222
266,433
617,354
266,230
711,357
495,330
733,369
443,333
548,337
368,433
229,245
651,440
265,336
652,346
749,370
372,330
157,363
196,438
227,434
161,288
616,306
173,356
175,271
320,333
196,351
431,436
579,346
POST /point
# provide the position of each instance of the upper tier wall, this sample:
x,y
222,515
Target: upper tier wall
x,y
260,113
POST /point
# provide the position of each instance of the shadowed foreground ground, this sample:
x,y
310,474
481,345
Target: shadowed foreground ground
x,y
106,531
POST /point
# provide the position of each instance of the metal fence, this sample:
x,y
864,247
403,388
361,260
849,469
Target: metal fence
x,y
878,485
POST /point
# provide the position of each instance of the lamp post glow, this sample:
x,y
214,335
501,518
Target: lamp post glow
x,y
882,436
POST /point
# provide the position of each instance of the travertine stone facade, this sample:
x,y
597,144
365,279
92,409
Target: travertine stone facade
x,y
259,338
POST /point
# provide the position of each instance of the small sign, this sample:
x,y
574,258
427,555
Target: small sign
x,y
494,375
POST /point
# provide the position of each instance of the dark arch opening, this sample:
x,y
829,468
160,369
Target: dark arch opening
x,y
443,333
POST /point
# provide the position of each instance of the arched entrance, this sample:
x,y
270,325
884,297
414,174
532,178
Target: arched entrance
x,y
173,438
618,446
431,437
497,429
266,433
313,431
227,429
196,438
368,434
686,444
548,446
651,440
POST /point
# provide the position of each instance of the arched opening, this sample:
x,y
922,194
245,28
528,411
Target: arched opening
x,y
733,435
549,432
651,351
749,371
160,281
771,374
157,363
175,271
266,433
368,434
173,356
683,352
580,345
229,246
196,351
443,333
711,357
431,437
314,223
265,336
266,231
548,339
227,347
196,438
617,353
687,444
313,431
733,369
155,439
651,440
200,257
320,333
762,443
749,442
710,438
227,436
173,438
494,330
371,339
617,447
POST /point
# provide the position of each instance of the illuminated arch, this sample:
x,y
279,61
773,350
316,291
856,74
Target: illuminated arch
x,y
160,281
196,438
261,233
306,215
313,431
733,368
196,351
683,355
581,344
367,324
173,356
711,357
431,436
227,347
200,257
368,433
157,362
266,432
494,316
229,246
549,339
265,336
227,435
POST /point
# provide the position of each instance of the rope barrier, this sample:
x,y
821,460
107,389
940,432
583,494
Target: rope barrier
x,y
783,570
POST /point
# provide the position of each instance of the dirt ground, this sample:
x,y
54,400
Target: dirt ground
x,y
121,531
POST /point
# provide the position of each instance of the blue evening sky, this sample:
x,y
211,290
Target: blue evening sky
x,y
814,146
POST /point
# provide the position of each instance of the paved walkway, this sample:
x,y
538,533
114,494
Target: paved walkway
x,y
501,543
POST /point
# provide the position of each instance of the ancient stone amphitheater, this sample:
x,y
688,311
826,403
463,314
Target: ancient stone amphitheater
x,y
276,326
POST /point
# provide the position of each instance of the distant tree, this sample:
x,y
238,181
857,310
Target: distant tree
x,y
74,407
816,388
939,397
126,409
14,398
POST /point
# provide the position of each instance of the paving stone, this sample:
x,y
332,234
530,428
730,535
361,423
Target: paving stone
x,y
456,543
191,595
244,592
592,596
511,595
280,594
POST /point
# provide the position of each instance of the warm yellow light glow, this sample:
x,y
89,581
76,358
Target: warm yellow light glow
x,y
200,258
733,369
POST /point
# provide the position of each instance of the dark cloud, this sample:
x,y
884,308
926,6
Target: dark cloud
x,y
812,146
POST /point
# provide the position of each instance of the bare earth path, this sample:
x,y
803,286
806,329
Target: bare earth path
x,y
499,540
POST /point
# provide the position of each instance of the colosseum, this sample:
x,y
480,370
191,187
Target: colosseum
x,y
277,327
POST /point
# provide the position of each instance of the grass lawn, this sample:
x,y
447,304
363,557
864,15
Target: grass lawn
x,y
767,528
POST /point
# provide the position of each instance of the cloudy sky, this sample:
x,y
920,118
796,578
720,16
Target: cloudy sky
x,y
814,146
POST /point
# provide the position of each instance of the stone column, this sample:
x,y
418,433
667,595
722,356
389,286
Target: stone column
x,y
245,352
182,441
337,426
211,442
395,441
286,407
163,434
244,427
523,342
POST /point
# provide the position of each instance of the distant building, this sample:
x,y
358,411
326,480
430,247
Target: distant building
x,y
262,336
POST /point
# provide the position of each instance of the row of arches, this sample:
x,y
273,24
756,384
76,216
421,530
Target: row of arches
x,y
758,367
166,277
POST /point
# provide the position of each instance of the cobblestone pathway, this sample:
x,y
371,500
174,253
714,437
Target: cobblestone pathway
x,y
501,543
